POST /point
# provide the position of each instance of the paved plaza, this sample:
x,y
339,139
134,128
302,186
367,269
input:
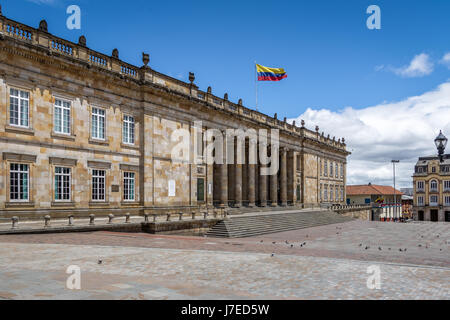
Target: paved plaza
x,y
327,262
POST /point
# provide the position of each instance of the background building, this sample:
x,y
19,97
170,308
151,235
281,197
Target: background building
x,y
432,185
376,195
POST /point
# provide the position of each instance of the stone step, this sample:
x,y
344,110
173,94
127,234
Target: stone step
x,y
253,225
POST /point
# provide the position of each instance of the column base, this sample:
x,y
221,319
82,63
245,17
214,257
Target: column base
x,y
274,204
284,204
251,205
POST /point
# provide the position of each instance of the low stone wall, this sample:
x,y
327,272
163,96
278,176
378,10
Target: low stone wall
x,y
193,226
356,212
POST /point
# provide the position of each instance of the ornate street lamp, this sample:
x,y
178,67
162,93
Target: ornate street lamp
x,y
441,143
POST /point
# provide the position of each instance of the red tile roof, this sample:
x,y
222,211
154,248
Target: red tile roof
x,y
372,189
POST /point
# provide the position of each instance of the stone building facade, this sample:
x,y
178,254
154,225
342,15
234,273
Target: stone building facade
x,y
432,189
84,132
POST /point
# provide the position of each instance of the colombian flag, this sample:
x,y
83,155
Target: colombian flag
x,y
270,74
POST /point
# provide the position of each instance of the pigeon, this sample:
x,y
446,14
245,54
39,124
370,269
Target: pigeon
x,y
100,261
405,249
360,244
273,242
400,250
420,245
273,254
366,248
292,245
287,242
379,248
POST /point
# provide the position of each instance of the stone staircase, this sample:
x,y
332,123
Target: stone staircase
x,y
264,223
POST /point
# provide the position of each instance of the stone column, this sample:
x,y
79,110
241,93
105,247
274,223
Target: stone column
x,y
262,184
238,174
291,185
251,171
274,182
251,185
283,177
224,175
262,188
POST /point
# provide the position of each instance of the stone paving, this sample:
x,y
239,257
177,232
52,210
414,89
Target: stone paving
x,y
331,265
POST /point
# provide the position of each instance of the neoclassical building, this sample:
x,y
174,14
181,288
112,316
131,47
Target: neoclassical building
x,y
432,185
83,132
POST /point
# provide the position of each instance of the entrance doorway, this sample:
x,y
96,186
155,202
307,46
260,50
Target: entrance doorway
x,y
420,216
447,216
434,215
200,189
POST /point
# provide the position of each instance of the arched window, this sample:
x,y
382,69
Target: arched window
x,y
433,185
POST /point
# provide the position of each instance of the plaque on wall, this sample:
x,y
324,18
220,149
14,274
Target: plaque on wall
x,y
115,188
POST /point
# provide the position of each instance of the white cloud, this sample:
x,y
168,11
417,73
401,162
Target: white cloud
x,y
446,60
421,65
375,135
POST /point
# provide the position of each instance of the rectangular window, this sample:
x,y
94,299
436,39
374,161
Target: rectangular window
x,y
199,143
19,108
320,192
337,171
98,123
342,170
98,185
420,186
447,201
433,200
331,193
342,193
128,129
62,116
420,201
325,168
336,191
331,169
325,193
446,185
128,186
62,184
320,166
19,182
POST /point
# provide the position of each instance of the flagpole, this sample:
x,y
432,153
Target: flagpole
x,y
256,86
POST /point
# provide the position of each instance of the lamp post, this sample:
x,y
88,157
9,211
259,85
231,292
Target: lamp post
x,y
395,195
441,143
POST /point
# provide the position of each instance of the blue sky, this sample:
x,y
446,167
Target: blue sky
x,y
328,52
332,59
